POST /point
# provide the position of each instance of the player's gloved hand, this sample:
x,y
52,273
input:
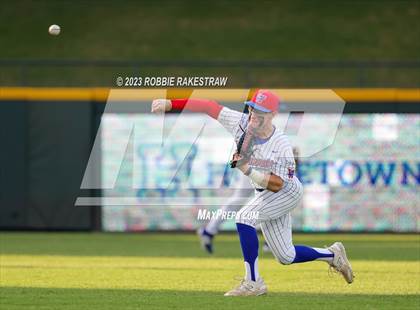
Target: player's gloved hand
x,y
161,105
238,161
244,149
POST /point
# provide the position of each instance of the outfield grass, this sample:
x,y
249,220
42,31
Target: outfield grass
x,y
205,30
137,271
187,29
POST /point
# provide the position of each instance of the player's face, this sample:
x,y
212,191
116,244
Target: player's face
x,y
260,119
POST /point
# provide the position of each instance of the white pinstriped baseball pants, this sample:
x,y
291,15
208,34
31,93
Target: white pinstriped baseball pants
x,y
275,219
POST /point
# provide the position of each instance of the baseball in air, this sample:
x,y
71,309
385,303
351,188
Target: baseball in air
x,y
54,30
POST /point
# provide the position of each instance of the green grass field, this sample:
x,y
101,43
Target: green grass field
x,y
208,30
192,30
169,271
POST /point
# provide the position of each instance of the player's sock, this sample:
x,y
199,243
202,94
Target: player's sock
x,y
206,239
249,244
207,233
307,254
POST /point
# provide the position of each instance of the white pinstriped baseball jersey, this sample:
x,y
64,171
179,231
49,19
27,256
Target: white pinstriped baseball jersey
x,y
274,154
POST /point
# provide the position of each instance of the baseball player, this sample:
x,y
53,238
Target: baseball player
x,y
265,156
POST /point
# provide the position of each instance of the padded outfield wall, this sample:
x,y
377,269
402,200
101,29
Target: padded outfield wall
x,y
368,180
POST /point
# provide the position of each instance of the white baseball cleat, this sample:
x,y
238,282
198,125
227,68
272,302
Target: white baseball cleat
x,y
249,288
340,262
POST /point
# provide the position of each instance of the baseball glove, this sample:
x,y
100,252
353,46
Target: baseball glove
x,y
244,149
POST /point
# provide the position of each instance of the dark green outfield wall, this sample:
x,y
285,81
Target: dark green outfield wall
x,y
44,150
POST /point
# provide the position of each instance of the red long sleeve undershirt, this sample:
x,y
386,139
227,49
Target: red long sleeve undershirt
x,y
211,108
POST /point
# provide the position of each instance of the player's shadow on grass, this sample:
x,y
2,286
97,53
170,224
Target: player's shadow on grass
x,y
59,298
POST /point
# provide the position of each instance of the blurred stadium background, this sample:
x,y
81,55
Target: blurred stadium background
x,y
53,92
